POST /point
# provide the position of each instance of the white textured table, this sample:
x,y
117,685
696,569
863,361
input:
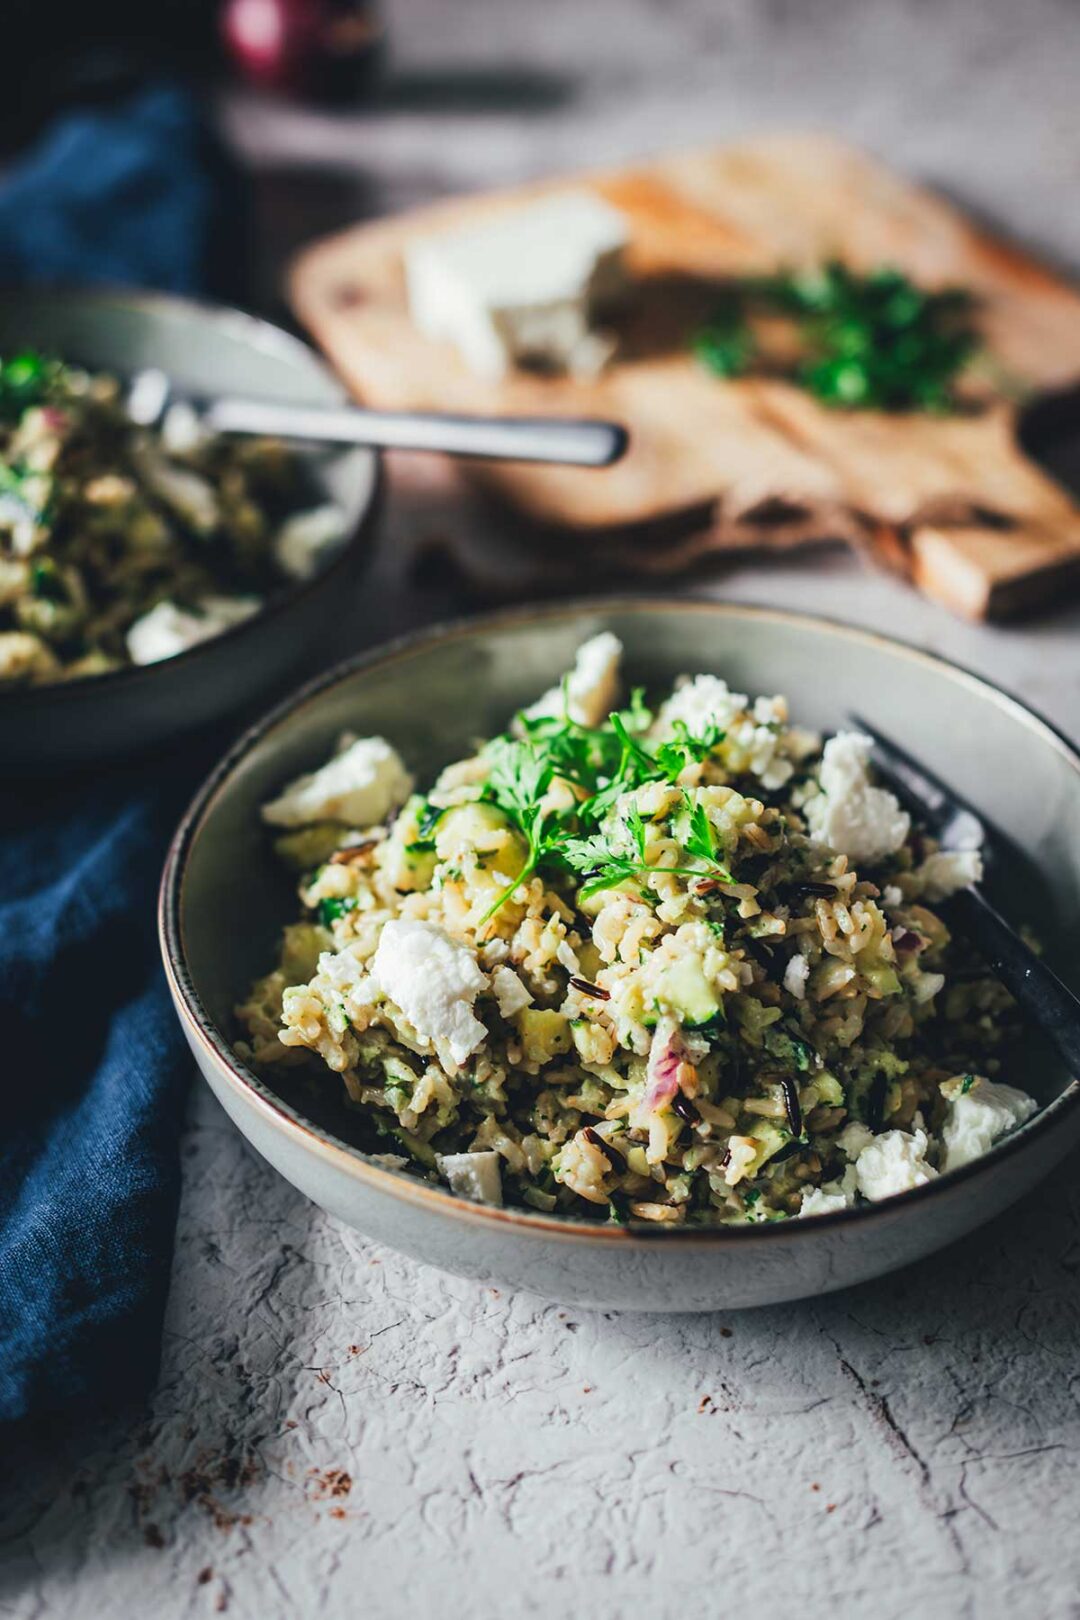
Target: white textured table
x,y
338,1431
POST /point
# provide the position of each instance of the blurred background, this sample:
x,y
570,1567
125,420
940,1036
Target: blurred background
x,y
334,110
297,118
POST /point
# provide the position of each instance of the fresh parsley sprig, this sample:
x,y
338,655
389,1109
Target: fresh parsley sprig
x,y
600,764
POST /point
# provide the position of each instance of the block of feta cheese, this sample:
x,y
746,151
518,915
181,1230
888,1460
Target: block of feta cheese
x,y
591,687
361,785
980,1113
168,629
523,286
850,815
434,980
476,1176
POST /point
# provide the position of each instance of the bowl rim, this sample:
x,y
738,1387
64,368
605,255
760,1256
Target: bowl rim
x,y
261,334
203,1033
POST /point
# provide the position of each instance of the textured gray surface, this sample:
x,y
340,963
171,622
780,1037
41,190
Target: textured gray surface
x,y
338,1431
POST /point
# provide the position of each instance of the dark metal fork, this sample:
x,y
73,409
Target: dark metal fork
x,y
1047,1001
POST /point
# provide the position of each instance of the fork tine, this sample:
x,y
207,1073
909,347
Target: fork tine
x,y
927,794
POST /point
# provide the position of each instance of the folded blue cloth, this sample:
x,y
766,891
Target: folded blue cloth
x,y
94,1069
93,1062
113,194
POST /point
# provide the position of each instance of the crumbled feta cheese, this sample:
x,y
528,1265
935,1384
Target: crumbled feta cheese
x,y
510,993
946,871
825,1200
980,1116
476,1176
850,815
891,895
523,285
741,1153
592,686
167,629
182,430
703,702
925,986
434,980
893,1163
854,1138
795,976
361,785
303,540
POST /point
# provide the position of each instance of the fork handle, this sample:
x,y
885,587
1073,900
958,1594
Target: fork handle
x,y
568,441
1049,1003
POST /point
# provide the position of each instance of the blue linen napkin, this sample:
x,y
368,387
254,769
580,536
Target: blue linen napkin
x,y
92,1061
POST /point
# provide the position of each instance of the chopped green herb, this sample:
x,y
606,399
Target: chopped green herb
x,y
865,341
331,909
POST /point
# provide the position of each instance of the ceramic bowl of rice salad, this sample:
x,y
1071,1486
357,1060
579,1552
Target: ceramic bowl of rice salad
x,y
154,575
598,962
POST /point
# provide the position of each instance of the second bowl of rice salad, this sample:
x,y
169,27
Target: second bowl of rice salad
x,y
662,957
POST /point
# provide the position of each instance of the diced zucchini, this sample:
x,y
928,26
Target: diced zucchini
x,y
484,830
309,847
302,945
684,989
544,1034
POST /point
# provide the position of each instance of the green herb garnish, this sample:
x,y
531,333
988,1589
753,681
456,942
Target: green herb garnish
x,y
24,381
330,910
874,340
601,764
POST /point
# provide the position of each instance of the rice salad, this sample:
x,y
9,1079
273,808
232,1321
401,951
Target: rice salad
x,y
123,545
674,962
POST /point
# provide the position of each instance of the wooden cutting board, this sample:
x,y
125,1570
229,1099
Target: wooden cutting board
x,y
954,501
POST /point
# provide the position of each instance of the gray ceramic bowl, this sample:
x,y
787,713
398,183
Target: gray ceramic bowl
x,y
205,349
223,902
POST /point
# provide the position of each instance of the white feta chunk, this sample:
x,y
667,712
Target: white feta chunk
x,y
592,686
476,1176
979,1116
947,871
699,703
891,895
893,1163
850,815
826,1200
304,541
512,996
854,1138
168,629
360,785
795,976
434,981
522,286
182,431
